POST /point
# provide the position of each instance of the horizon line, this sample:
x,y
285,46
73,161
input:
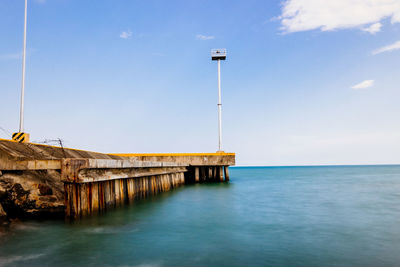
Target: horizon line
x,y
321,165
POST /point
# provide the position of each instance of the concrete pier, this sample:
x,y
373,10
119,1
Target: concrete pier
x,y
95,182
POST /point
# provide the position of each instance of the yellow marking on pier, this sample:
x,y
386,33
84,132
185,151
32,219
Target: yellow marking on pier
x,y
171,154
20,137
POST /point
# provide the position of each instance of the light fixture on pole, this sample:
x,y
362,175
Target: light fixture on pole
x,y
218,55
20,136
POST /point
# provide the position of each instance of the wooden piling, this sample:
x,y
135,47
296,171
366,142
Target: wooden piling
x,y
163,185
140,187
84,205
124,190
172,178
94,198
196,174
168,180
210,174
68,200
145,189
107,195
202,174
226,171
102,202
117,192
153,184
220,174
76,201
130,190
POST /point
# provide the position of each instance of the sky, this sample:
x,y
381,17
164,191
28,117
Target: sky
x,y
306,82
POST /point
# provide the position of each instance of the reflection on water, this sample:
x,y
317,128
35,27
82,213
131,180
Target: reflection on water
x,y
309,216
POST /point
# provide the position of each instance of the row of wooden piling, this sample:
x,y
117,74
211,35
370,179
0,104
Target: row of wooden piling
x,y
205,174
82,199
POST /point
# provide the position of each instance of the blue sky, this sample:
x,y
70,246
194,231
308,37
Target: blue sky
x,y
305,82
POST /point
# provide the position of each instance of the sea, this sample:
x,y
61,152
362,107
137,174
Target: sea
x,y
265,216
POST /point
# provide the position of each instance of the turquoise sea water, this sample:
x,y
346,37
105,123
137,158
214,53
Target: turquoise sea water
x,y
276,216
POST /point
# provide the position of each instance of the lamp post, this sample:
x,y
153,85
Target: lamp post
x,y
21,117
218,55
20,136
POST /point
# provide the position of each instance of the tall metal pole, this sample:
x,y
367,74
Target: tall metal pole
x,y
21,115
219,108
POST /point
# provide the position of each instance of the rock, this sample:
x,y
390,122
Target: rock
x,y
32,194
2,192
3,215
45,190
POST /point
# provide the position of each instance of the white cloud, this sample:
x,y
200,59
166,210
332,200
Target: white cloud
x,y
387,48
304,15
374,28
363,85
13,56
10,56
126,34
204,37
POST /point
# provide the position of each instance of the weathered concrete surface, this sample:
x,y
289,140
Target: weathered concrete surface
x,y
30,155
29,151
191,159
116,169
98,175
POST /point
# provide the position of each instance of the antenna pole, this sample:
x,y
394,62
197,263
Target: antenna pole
x,y
21,116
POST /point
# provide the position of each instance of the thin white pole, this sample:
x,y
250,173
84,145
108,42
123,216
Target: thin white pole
x,y
219,108
21,115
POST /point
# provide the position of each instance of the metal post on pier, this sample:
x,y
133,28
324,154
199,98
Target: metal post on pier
x,y
21,118
218,55
20,136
